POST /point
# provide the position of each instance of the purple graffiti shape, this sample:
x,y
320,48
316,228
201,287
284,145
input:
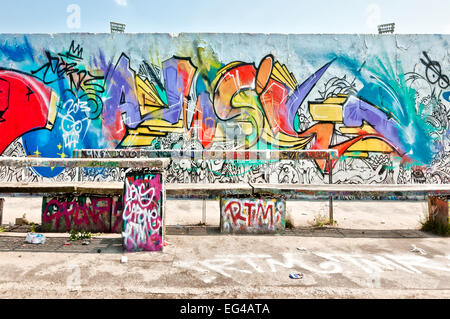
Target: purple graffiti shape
x,y
178,74
121,90
356,111
298,96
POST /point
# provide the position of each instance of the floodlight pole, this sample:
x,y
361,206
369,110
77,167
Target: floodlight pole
x,y
117,27
386,28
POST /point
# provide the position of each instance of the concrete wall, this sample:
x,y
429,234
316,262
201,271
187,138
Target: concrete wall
x,y
92,213
143,212
252,215
381,101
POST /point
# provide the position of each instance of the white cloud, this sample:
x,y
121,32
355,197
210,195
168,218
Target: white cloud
x,y
122,3
373,16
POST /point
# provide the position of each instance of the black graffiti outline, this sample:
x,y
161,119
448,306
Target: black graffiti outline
x,y
435,68
87,82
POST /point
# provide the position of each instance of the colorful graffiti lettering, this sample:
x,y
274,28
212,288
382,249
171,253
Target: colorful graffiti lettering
x,y
142,213
89,213
66,66
263,102
252,215
383,122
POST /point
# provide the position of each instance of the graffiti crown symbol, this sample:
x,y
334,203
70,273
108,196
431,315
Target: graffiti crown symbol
x,y
75,52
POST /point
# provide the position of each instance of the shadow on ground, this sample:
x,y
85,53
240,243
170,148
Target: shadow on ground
x,y
62,244
309,232
114,245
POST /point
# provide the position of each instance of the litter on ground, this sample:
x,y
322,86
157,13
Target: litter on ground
x,y
33,238
418,250
296,276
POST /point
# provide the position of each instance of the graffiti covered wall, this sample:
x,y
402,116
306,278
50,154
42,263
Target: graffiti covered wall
x,y
92,213
143,212
383,102
252,215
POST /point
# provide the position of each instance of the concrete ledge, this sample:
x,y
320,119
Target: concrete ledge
x,y
214,191
173,191
209,191
209,154
54,188
292,191
84,162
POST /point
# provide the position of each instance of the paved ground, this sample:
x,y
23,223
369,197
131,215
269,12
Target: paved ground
x,y
375,251
334,263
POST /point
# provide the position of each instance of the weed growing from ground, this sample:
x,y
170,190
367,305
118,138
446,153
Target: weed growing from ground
x,y
289,224
434,227
321,220
79,235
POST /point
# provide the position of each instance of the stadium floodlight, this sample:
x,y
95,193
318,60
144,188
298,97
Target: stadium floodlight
x,y
117,27
386,28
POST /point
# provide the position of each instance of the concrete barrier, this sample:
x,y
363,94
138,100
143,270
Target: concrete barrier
x,y
143,211
88,212
252,215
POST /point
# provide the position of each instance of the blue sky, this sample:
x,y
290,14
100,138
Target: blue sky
x,y
263,16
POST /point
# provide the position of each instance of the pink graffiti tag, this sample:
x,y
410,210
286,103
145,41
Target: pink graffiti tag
x,y
87,212
141,214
